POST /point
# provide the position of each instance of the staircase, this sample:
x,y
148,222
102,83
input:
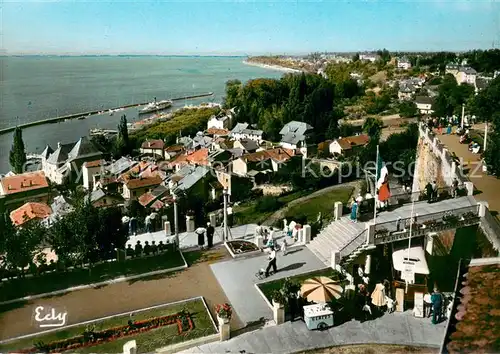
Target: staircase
x,y
342,236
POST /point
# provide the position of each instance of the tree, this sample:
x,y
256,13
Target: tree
x,y
23,245
385,55
355,57
122,142
408,109
486,105
7,233
17,157
373,127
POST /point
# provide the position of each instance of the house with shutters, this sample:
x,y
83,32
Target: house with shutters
x,y
348,145
294,135
153,148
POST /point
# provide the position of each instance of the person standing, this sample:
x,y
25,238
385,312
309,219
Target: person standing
x,y
201,236
378,297
429,192
434,191
210,235
354,210
454,188
284,247
272,262
437,304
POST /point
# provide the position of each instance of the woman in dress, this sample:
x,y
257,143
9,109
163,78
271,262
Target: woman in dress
x,y
354,210
378,297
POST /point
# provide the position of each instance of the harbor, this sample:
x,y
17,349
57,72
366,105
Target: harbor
x,y
84,115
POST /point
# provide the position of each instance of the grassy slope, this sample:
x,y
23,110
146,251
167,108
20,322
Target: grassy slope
x,y
323,203
48,282
146,342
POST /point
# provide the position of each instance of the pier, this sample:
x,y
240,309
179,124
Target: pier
x,y
89,113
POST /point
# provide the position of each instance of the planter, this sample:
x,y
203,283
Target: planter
x,y
242,248
277,305
222,320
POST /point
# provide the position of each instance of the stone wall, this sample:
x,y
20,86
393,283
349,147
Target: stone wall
x,y
434,162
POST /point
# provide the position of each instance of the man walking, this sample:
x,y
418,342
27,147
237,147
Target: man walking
x,y
210,235
201,236
272,262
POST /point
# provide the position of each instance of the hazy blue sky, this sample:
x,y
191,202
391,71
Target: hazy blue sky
x,y
244,27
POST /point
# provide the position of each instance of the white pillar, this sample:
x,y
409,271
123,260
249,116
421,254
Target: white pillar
x,y
176,223
166,227
370,233
306,233
335,259
224,231
278,313
259,241
285,225
130,347
429,242
470,188
189,223
485,135
483,206
337,210
368,263
224,329
213,220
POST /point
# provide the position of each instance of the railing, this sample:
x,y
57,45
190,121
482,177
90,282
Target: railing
x,y
492,231
353,245
398,229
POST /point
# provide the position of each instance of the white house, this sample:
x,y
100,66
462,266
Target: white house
x,y
67,158
343,146
369,57
220,121
153,147
424,104
466,75
89,170
241,131
404,63
293,136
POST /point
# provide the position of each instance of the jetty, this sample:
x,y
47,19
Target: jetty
x,y
90,113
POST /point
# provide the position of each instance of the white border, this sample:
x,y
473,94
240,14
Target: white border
x,y
94,285
241,255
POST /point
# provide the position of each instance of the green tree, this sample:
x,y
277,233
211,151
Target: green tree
x,y
233,88
355,57
7,234
373,127
486,105
17,157
122,142
408,109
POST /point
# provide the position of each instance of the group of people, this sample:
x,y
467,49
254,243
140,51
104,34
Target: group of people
x,y
374,304
148,249
209,231
431,191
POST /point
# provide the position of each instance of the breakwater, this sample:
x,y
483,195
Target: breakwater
x,y
89,113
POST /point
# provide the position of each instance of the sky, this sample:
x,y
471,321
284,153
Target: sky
x,y
246,27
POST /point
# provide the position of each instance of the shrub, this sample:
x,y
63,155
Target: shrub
x,y
224,310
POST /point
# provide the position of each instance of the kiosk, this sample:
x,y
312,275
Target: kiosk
x,y
318,316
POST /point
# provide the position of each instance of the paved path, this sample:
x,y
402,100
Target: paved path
x,y
290,337
488,186
237,278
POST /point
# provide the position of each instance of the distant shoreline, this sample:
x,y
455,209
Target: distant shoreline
x,y
273,67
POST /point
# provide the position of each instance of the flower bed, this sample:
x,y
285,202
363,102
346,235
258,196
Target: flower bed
x,y
91,338
241,248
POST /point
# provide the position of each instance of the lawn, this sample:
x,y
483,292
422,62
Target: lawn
x,y
323,203
146,342
267,288
47,282
246,213
372,349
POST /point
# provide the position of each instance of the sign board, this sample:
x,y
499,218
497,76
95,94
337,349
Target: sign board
x,y
400,299
418,309
408,273
47,317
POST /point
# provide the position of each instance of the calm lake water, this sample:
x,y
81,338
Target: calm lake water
x,y
34,88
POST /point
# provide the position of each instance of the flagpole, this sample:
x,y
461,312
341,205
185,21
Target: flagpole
x,y
409,238
375,185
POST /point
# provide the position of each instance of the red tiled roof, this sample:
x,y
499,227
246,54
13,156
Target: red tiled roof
x,y
143,182
478,315
30,211
135,171
24,182
199,157
153,144
174,148
146,198
95,163
278,154
351,141
216,131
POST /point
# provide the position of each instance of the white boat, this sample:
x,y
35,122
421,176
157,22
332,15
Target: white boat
x,y
156,106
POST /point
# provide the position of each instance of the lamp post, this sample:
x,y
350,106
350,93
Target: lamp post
x,y
224,233
176,222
